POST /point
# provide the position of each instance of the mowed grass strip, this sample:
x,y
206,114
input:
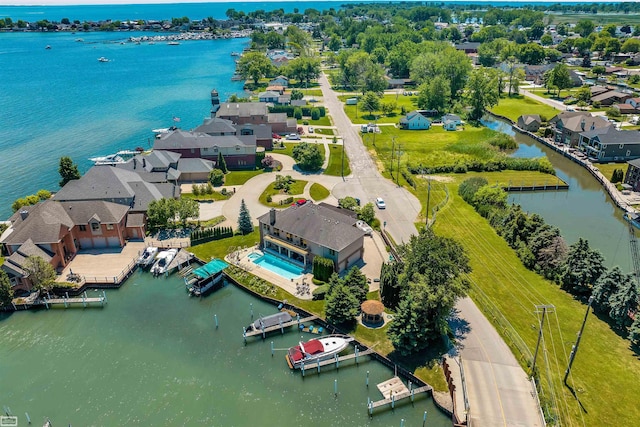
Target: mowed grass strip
x,y
358,116
334,167
296,188
608,168
515,106
318,192
240,177
605,373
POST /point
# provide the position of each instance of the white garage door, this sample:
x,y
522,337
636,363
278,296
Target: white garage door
x,y
113,242
86,243
99,242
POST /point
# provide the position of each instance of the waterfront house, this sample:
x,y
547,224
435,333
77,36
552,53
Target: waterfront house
x,y
632,176
56,231
239,151
133,188
451,122
257,113
415,121
610,144
529,122
568,125
269,96
280,81
219,127
299,233
610,98
275,88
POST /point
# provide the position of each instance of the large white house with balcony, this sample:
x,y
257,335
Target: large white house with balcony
x,y
299,233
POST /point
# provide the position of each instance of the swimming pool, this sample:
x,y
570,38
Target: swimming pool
x,y
277,265
254,256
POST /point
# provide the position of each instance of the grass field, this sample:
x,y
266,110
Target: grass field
x,y
221,248
287,150
311,92
322,121
296,188
240,177
408,102
334,167
514,107
598,18
318,192
608,168
323,131
605,365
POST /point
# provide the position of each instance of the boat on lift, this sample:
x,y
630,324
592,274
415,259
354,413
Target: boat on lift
x,y
163,260
203,279
316,350
147,257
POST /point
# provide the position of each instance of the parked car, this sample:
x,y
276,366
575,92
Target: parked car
x,y
380,203
300,202
293,137
276,136
310,129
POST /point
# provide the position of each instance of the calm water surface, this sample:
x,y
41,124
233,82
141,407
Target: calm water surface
x,y
585,210
153,356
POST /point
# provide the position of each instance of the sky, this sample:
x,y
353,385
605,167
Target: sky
x,y
95,2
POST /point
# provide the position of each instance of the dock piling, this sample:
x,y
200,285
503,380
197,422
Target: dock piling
x,y
271,348
46,304
393,400
215,317
367,379
411,395
244,334
104,296
356,354
251,309
26,414
84,299
65,301
402,422
424,419
281,328
335,387
302,369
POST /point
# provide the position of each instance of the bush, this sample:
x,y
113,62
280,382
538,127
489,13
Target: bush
x,y
216,177
269,198
305,122
210,234
195,189
322,268
297,113
503,142
223,191
320,292
315,114
306,111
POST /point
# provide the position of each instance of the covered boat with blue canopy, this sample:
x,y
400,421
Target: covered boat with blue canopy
x,y
203,279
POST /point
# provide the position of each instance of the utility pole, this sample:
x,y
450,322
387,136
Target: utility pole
x,y
544,309
393,149
428,199
574,350
398,168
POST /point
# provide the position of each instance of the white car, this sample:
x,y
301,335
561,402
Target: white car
x,y
310,129
293,136
380,203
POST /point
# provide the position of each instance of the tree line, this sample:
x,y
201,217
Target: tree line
x,y
578,269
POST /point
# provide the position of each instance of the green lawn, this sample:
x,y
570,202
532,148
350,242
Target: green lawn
x,y
213,221
311,92
605,370
1,260
318,192
598,18
323,131
334,167
296,188
408,102
608,168
287,150
516,106
240,177
221,248
322,121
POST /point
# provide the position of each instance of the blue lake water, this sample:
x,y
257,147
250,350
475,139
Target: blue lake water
x,y
63,102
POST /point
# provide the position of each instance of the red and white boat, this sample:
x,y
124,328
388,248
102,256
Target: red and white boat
x,y
317,349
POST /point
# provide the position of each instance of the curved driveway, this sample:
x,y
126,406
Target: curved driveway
x,y
498,390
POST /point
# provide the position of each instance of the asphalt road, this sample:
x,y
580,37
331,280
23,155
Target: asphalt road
x,y
499,392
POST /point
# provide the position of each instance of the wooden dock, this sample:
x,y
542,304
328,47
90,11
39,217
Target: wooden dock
x,y
397,391
181,259
253,333
84,300
334,361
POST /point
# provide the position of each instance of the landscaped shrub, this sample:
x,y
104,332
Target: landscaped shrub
x,y
210,234
306,111
287,201
322,268
408,177
259,158
297,113
320,292
511,163
315,114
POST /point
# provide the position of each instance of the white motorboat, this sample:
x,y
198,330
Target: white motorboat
x,y
269,321
147,257
163,259
112,159
103,59
173,43
317,349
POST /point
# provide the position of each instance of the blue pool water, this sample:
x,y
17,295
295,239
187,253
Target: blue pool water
x,y
278,266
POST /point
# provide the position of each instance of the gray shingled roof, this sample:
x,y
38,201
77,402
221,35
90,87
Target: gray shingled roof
x,y
317,224
531,118
216,126
635,162
614,136
15,262
607,95
242,109
180,139
135,220
262,131
195,165
575,123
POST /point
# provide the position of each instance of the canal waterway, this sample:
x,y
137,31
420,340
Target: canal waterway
x,y
153,356
585,210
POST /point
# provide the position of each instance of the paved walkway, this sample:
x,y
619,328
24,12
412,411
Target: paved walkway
x,y
499,393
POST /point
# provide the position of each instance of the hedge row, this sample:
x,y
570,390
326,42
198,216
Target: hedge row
x,y
210,234
322,268
510,163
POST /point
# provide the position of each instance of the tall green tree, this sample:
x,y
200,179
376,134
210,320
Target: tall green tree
x,y
160,212
304,69
67,170
221,163
390,290
6,293
481,92
634,331
254,65
357,282
583,268
623,303
342,307
40,273
606,286
308,156
244,219
584,27
370,102
185,209
435,94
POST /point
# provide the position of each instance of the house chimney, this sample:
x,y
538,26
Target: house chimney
x,y
582,123
144,162
272,216
24,214
134,162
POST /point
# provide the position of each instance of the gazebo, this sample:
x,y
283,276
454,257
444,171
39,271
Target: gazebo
x,y
372,312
